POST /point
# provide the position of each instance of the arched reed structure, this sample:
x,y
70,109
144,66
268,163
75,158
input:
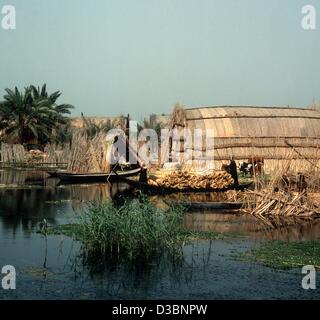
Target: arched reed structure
x,y
275,133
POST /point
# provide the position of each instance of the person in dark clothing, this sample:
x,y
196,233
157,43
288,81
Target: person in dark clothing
x,y
233,171
143,178
127,137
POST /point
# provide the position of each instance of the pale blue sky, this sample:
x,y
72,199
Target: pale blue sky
x,y
141,56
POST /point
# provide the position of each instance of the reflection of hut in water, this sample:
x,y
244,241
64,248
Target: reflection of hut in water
x,y
225,222
221,222
275,133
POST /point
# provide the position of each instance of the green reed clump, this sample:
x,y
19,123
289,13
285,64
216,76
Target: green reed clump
x,y
135,228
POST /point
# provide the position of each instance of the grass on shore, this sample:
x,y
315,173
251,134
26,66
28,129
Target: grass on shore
x,y
285,255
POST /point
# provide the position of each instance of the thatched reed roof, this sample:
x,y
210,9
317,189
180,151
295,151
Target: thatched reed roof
x,y
256,121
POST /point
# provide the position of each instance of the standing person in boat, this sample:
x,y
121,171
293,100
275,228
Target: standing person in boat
x,y
233,171
127,137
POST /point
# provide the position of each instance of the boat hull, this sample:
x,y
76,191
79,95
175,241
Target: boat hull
x,y
96,177
211,205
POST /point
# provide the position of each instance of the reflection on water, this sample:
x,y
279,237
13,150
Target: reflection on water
x,y
17,177
233,222
38,197
56,267
141,276
222,222
247,225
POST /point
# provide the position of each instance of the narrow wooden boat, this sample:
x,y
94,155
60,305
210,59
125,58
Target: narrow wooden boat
x,y
96,177
53,173
209,205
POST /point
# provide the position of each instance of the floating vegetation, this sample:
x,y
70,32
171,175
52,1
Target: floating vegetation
x,y
37,272
70,230
58,201
285,255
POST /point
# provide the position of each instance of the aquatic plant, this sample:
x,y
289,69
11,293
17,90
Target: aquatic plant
x,y
285,255
133,228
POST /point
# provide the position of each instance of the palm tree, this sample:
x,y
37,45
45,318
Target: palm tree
x,y
62,129
42,94
32,115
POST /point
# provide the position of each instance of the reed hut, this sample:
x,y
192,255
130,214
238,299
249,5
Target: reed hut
x,y
274,133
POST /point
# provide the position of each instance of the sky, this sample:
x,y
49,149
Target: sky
x,y
111,57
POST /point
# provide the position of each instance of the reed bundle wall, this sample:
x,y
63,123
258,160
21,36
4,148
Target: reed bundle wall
x,y
11,153
274,133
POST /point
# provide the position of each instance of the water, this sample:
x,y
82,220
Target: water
x,y
54,268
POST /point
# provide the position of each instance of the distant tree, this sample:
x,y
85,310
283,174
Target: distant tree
x,y
63,134
32,116
91,128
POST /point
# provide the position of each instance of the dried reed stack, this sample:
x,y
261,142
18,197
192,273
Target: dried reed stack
x,y
55,153
186,180
177,121
88,155
289,197
282,208
178,117
83,155
12,153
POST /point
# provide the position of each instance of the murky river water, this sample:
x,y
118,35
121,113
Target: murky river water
x,y
54,268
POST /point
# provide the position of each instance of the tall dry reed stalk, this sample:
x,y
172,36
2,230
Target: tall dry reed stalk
x,y
83,155
11,153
